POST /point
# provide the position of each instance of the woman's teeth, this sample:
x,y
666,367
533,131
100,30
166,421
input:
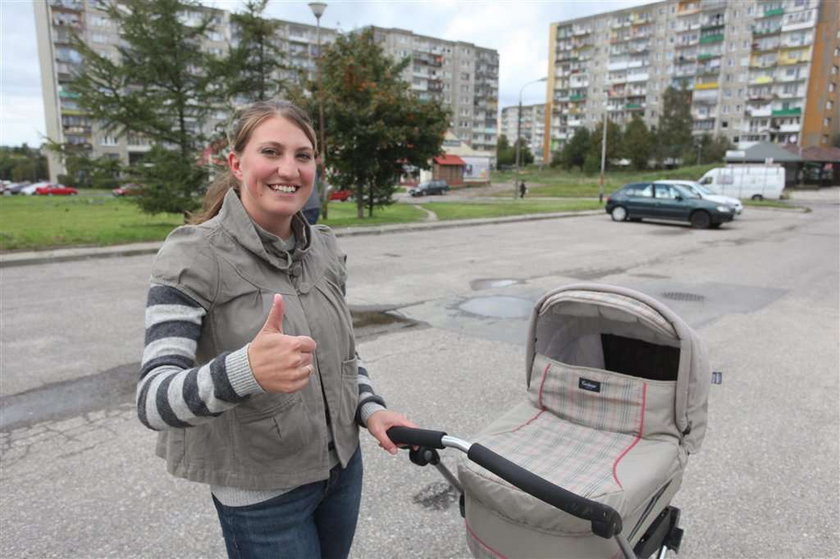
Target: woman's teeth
x,y
288,189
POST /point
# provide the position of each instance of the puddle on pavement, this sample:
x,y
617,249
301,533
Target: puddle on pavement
x,y
479,284
436,496
368,323
498,307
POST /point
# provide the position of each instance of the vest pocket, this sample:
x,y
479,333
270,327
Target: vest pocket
x,y
275,430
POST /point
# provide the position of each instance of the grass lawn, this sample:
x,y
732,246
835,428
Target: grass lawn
x,y
343,214
560,183
454,210
40,222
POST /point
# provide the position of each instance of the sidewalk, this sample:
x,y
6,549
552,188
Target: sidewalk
x,y
80,253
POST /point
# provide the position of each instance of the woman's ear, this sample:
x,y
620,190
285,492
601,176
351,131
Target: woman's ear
x,y
233,163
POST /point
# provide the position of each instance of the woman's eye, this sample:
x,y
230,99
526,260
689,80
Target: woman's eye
x,y
305,156
269,152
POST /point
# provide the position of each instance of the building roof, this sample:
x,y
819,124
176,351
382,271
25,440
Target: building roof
x,y
447,159
816,153
762,151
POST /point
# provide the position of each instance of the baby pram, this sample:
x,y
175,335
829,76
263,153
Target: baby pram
x,y
617,392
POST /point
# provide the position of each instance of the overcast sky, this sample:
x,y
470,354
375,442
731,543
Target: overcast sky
x,y
518,30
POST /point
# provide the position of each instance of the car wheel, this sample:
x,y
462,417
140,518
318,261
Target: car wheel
x,y
757,197
618,213
701,220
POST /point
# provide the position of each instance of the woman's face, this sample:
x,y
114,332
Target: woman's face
x,y
277,173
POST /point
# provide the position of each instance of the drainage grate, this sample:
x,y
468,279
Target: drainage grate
x,y
681,296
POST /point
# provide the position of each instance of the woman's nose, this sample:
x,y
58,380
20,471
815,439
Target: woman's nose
x,y
287,166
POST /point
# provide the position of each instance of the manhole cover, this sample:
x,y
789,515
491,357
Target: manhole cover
x,y
682,296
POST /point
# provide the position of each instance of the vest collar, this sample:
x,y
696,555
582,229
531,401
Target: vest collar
x,y
234,219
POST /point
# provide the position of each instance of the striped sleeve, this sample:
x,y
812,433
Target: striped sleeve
x,y
369,401
172,391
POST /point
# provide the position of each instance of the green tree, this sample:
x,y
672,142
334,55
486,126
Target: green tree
x,y
22,163
374,125
158,87
504,154
574,151
675,123
253,69
637,143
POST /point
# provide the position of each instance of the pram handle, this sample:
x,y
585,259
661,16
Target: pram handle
x,y
416,437
606,522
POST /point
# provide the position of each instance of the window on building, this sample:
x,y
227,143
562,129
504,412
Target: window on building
x,y
827,121
109,141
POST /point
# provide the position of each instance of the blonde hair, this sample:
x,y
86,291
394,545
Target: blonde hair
x,y
244,122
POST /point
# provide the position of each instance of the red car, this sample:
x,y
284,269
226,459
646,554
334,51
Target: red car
x,y
130,189
56,190
342,195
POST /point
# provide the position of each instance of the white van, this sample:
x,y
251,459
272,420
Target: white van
x,y
756,182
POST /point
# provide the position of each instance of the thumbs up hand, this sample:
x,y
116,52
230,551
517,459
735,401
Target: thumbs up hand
x,y
280,363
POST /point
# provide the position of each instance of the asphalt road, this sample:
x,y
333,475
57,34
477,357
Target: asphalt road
x,y
762,292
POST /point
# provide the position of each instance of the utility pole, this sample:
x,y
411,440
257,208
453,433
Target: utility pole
x,y
603,158
318,10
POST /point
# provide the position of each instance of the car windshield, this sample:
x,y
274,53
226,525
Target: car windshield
x,y
685,191
702,189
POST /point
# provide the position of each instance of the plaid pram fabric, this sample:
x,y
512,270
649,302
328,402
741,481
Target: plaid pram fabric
x,y
611,403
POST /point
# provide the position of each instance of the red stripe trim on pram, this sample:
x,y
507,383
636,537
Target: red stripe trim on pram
x,y
635,440
481,543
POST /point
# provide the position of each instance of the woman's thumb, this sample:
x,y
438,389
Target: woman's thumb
x,y
274,322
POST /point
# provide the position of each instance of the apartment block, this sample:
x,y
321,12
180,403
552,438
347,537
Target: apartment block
x,y
531,127
758,70
461,75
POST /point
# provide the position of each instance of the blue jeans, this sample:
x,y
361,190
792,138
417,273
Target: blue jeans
x,y
314,520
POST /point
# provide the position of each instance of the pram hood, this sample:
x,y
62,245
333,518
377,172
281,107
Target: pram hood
x,y
578,323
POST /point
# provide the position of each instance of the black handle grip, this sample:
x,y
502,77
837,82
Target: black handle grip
x,y
416,437
606,522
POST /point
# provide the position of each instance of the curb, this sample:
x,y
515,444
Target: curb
x,y
83,253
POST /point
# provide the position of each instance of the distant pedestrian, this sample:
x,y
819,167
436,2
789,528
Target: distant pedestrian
x,y
256,394
522,189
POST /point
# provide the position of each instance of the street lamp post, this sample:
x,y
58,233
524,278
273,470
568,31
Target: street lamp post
x,y
318,10
603,150
518,128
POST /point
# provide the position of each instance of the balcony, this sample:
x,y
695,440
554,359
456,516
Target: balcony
x,y
774,12
795,111
790,127
577,98
634,106
716,38
758,113
638,77
769,30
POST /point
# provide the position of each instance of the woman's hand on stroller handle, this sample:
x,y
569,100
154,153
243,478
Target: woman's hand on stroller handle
x,y
382,422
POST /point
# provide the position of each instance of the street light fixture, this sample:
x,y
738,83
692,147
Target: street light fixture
x,y
318,9
518,128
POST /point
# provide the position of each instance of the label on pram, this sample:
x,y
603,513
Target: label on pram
x,y
590,385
